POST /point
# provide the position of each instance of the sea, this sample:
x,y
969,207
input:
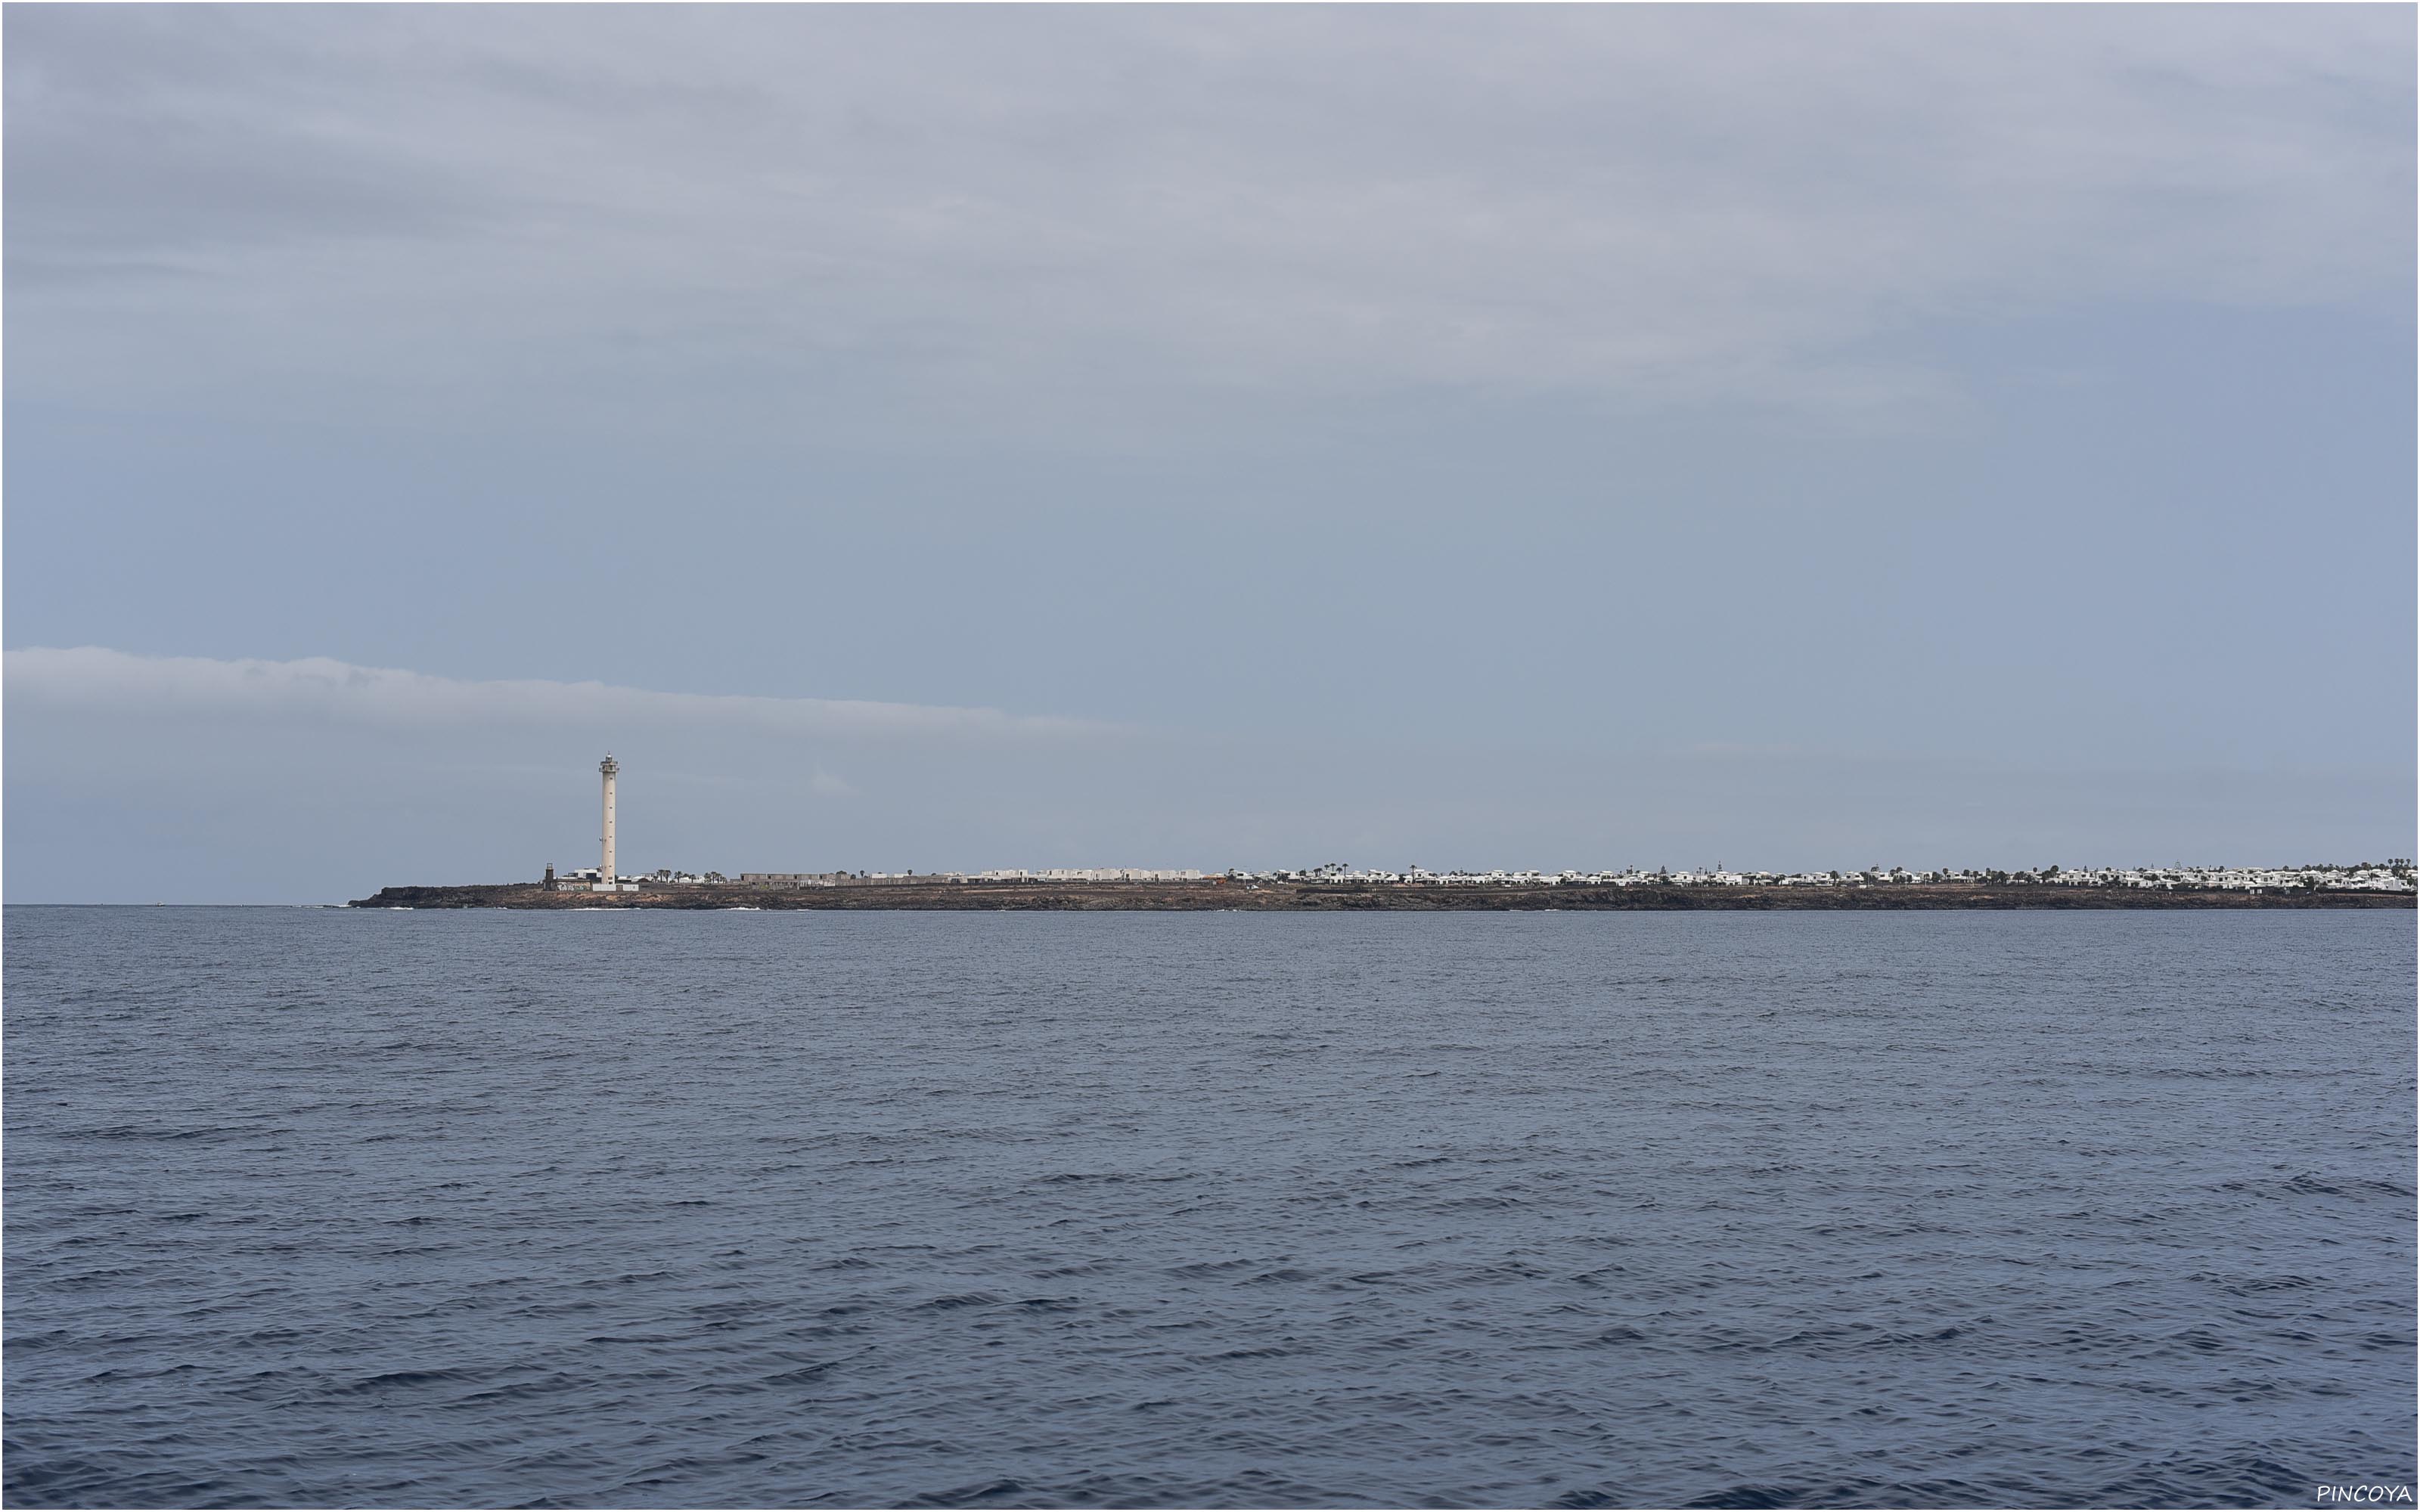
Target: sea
x,y
314,1207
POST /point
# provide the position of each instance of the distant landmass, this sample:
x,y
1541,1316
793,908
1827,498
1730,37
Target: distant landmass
x,y
1337,887
1217,894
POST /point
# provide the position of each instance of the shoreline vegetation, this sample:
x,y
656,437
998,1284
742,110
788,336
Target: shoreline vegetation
x,y
1220,894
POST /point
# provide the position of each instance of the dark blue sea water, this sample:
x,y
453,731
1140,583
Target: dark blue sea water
x,y
1574,1209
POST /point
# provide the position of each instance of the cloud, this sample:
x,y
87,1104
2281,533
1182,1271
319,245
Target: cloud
x,y
95,680
824,784
769,212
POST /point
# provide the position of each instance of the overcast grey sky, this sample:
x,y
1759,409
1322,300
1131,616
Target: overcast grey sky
x,y
1202,436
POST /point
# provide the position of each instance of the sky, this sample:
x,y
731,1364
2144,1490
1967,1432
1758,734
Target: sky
x,y
946,438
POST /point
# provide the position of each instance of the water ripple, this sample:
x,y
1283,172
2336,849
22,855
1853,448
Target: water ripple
x,y
1566,1211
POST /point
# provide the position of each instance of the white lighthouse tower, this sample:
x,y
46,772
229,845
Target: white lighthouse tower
x,y
605,872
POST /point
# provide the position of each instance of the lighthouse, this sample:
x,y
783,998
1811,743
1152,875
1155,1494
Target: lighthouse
x,y
605,872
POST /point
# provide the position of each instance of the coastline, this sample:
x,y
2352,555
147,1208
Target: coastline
x,y
979,897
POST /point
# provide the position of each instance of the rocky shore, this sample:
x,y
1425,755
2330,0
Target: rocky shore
x,y
1298,898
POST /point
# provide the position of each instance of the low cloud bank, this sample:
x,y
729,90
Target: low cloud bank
x,y
93,679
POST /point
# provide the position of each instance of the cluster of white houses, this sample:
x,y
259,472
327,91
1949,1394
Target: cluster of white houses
x,y
2395,875
2379,876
